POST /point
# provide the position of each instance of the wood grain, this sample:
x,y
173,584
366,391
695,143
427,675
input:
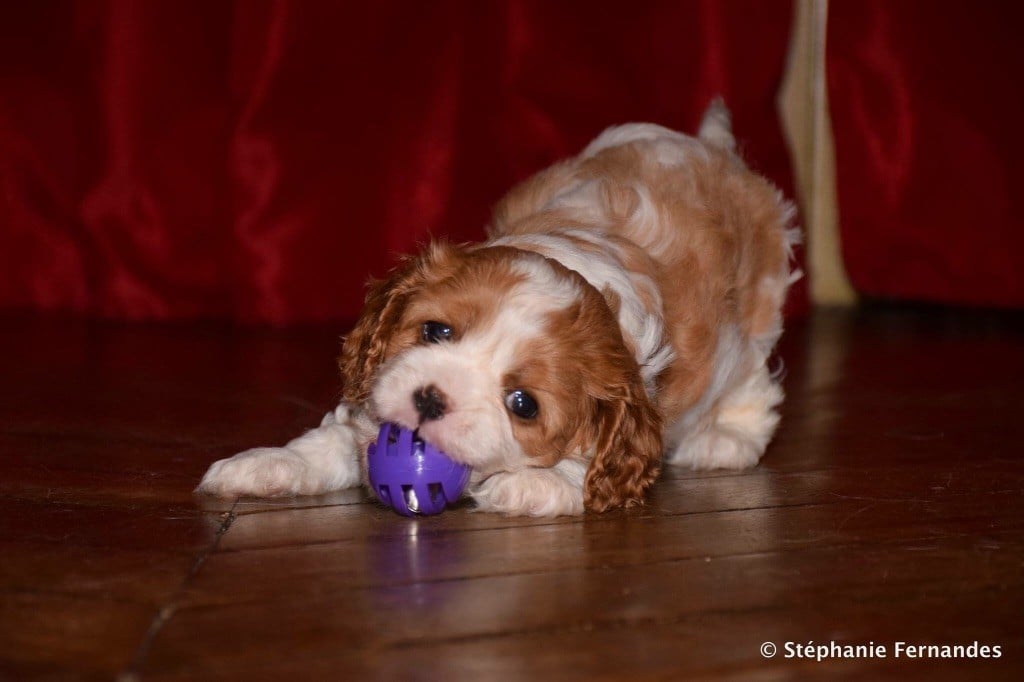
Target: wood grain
x,y
889,507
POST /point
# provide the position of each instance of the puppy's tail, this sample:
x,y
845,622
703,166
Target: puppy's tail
x,y
716,126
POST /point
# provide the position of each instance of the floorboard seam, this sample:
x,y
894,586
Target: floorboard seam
x,y
164,614
578,520
611,624
789,550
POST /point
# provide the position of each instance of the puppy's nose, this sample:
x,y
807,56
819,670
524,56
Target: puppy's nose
x,y
430,402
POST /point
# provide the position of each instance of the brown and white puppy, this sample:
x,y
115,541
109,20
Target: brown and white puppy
x,y
622,310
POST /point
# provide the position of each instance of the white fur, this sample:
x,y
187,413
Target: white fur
x,y
469,370
729,426
320,460
642,328
740,427
671,147
716,126
554,491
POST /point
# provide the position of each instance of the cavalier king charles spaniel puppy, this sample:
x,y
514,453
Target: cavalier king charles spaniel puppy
x,y
621,311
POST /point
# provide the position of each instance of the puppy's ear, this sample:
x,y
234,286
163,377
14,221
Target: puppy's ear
x,y
628,448
364,349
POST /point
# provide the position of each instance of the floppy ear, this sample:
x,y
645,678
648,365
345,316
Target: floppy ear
x,y
627,456
363,350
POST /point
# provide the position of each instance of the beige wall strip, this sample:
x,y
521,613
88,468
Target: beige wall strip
x,y
803,107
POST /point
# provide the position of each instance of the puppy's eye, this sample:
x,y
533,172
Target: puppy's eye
x,y
435,332
521,404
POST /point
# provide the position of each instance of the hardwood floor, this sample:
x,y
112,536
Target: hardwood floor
x,y
889,508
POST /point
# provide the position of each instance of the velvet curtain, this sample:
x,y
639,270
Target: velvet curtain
x,y
927,103
257,161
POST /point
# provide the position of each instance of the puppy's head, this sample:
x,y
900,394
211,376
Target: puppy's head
x,y
505,359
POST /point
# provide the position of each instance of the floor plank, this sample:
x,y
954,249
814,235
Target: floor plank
x,y
65,636
707,644
889,507
559,598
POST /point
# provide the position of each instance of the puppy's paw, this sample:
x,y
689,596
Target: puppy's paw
x,y
260,472
533,492
716,449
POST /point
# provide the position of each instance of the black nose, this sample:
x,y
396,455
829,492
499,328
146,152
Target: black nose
x,y
430,402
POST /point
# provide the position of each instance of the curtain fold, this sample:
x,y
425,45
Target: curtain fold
x,y
926,103
257,161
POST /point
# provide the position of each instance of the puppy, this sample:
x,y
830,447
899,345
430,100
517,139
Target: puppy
x,y
622,310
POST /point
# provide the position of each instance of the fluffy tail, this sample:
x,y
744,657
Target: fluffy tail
x,y
716,126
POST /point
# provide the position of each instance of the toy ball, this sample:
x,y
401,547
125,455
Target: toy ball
x,y
412,476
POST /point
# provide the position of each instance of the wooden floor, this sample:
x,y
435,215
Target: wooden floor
x,y
889,508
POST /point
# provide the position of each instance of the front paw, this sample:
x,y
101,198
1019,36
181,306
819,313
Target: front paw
x,y
531,492
260,472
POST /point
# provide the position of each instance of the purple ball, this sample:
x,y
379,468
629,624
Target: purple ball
x,y
412,476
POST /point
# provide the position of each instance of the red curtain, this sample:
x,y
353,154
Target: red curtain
x,y
256,161
927,102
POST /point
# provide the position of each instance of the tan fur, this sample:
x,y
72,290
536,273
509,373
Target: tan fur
x,y
633,291
620,426
723,237
463,278
715,257
719,238
600,404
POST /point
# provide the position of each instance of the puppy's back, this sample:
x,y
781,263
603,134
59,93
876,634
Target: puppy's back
x,y
719,233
